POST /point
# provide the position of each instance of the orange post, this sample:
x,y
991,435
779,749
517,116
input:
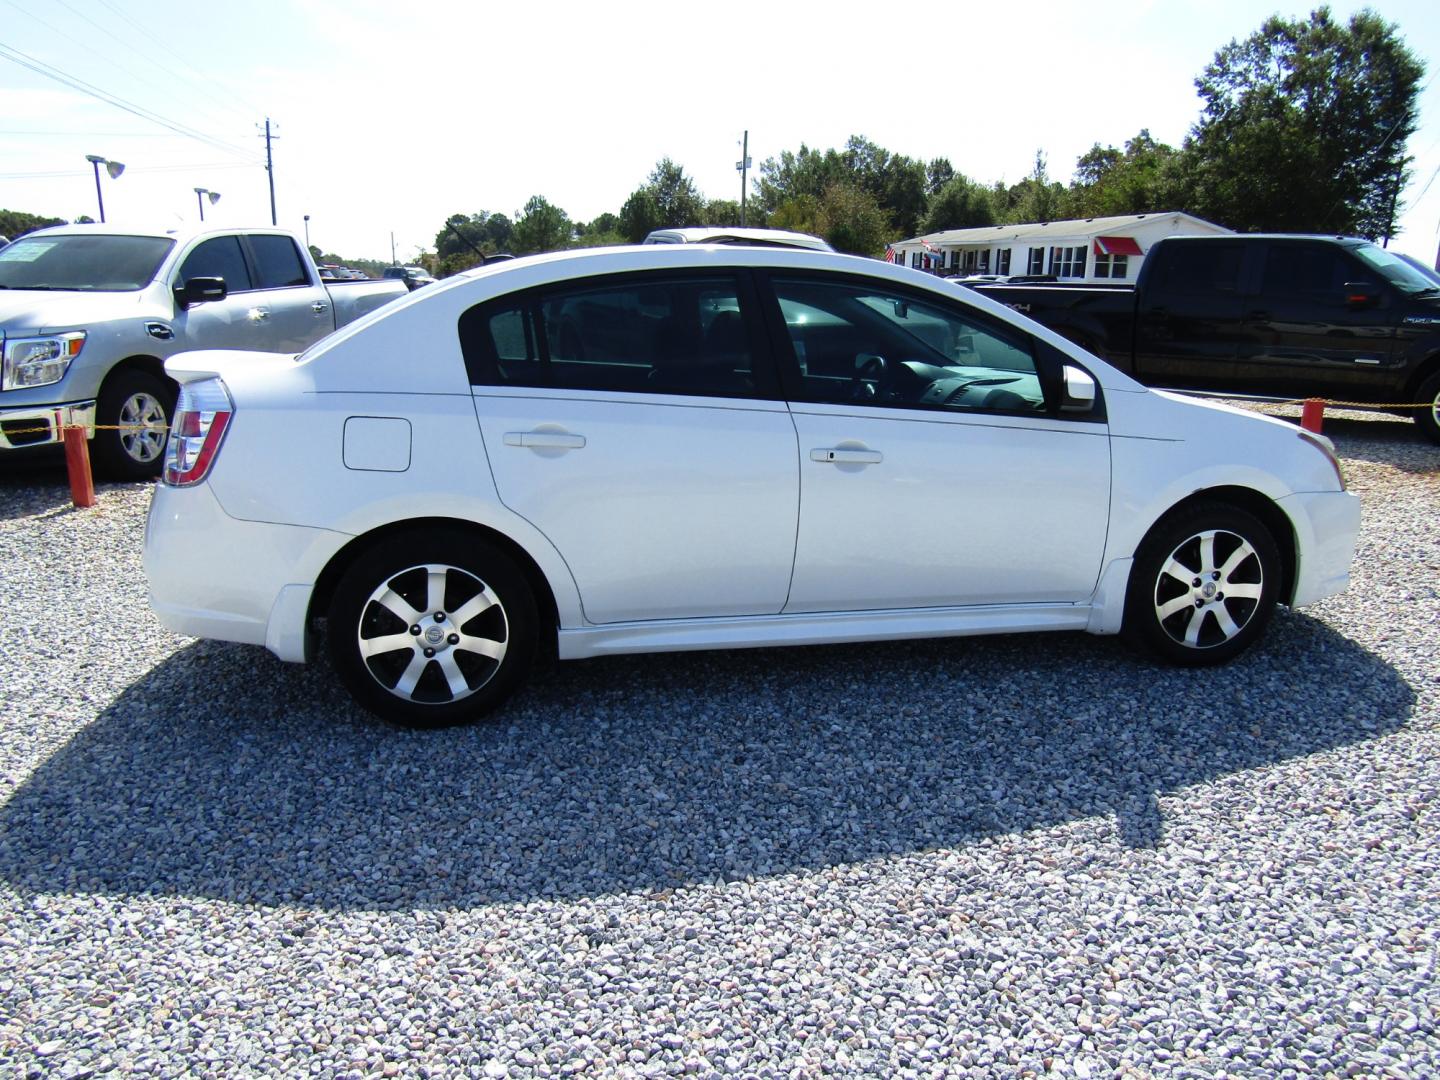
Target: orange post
x,y
1313,415
77,462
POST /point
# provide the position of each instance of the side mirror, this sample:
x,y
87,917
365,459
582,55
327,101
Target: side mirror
x,y
1078,395
200,290
1361,294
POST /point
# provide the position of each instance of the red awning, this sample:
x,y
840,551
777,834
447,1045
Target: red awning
x,y
1116,245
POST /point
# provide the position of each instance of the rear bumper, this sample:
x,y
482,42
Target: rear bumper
x,y
1326,525
215,576
37,425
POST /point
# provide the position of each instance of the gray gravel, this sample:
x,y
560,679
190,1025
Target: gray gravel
x,y
1017,856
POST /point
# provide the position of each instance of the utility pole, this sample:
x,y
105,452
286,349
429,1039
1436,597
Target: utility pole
x,y
392,249
270,169
743,168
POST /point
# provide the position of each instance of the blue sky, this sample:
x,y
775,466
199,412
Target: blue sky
x,y
392,116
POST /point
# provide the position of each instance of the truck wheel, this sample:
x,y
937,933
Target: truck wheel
x,y
133,419
1429,417
432,629
1203,585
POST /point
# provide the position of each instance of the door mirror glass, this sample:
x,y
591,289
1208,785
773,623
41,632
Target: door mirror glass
x,y
1079,395
1361,294
199,290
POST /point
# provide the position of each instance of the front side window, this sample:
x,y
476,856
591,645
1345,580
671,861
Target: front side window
x,y
218,257
651,336
1309,271
277,262
860,343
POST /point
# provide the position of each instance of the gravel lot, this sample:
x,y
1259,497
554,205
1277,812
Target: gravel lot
x,y
1017,856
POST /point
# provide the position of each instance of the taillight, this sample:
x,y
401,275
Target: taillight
x,y
201,416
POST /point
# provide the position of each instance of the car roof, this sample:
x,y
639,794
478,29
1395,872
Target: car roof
x,y
725,234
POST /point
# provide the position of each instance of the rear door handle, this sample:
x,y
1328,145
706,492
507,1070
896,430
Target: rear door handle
x,y
553,439
258,314
847,457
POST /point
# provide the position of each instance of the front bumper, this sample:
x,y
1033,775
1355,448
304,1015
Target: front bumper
x,y
38,425
1327,525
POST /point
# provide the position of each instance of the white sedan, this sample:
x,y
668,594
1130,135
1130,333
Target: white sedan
x,y
694,447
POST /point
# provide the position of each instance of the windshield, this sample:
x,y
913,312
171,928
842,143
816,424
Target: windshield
x,y
1400,273
86,263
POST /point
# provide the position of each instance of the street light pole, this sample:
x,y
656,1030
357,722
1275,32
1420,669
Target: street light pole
x,y
743,168
114,168
200,194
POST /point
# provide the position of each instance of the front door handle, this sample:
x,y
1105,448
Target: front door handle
x,y
258,314
319,308
562,440
836,456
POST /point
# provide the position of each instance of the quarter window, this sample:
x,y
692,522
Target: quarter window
x,y
855,343
218,257
675,337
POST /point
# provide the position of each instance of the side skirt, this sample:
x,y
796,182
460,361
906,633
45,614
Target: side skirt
x,y
676,635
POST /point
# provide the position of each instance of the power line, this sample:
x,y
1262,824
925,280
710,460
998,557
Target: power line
x,y
29,62
59,173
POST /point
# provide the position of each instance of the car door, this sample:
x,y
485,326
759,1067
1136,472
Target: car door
x,y
1188,327
297,310
237,322
633,420
1310,336
935,469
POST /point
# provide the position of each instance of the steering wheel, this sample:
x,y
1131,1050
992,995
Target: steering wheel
x,y
872,378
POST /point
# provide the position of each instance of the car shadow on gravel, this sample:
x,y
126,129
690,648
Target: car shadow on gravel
x,y
224,773
34,483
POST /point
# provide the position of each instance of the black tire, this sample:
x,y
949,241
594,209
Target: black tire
x,y
405,686
1193,622
1429,419
144,401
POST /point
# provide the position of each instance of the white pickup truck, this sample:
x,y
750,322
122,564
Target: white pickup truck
x,y
88,314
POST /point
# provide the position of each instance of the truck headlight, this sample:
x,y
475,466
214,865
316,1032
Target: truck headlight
x,y
39,361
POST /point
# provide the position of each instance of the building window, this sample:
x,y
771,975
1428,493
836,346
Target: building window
x,y
915,259
1037,261
985,261
970,261
1067,262
1112,266
1002,261
955,259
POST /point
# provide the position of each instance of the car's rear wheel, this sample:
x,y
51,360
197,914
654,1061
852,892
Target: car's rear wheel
x,y
1203,585
1429,417
132,417
433,629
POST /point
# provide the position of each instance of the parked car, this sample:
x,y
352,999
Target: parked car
x,y
1277,316
413,276
650,449
725,234
89,313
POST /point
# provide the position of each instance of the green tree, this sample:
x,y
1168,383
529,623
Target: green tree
x,y
937,174
852,220
725,212
1305,126
1035,198
14,223
960,204
639,217
1145,176
541,226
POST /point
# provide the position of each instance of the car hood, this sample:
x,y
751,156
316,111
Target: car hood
x,y
32,311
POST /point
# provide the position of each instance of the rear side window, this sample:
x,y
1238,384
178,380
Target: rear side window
x,y
277,262
662,336
1199,269
218,257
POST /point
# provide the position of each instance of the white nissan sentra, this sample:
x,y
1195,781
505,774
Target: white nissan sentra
x,y
692,447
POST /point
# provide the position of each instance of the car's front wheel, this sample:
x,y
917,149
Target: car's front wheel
x,y
1428,417
1203,585
132,418
428,630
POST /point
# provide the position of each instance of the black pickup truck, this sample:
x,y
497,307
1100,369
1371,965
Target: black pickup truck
x,y
1278,316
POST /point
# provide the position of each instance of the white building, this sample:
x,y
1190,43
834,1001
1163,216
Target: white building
x,y
1089,249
